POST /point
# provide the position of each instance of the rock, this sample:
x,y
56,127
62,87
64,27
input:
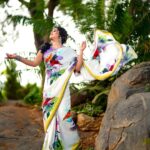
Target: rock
x,y
87,139
126,123
133,81
87,123
88,128
78,98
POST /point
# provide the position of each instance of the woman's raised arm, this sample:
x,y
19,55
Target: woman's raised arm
x,y
80,58
33,63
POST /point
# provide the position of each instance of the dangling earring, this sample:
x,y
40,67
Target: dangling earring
x,y
60,40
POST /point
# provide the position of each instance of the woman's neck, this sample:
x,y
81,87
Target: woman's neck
x,y
56,44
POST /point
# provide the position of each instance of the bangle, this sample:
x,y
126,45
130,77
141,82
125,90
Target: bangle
x,y
18,58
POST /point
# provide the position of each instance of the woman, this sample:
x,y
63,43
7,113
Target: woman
x,y
60,130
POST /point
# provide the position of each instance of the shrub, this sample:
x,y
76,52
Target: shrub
x,y
34,95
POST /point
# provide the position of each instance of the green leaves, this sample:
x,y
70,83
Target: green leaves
x,y
41,26
12,85
87,15
89,109
3,2
33,95
127,20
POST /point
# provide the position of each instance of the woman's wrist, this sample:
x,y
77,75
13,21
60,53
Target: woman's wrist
x,y
81,52
18,57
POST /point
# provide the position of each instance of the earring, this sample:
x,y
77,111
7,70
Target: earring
x,y
60,39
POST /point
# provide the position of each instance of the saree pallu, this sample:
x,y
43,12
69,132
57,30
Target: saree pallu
x,y
107,59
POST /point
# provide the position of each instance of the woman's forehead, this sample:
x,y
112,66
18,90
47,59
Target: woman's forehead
x,y
55,29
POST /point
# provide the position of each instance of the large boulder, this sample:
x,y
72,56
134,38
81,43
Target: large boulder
x,y
133,81
126,123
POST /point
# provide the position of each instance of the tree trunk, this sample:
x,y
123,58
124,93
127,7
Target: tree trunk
x,y
37,13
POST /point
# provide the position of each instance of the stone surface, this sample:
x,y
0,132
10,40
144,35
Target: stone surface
x,y
88,130
78,98
133,81
87,123
126,123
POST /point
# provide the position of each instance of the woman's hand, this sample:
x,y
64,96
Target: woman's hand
x,y
83,46
80,57
32,63
11,56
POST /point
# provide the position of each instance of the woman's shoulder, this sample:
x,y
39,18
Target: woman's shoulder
x,y
45,47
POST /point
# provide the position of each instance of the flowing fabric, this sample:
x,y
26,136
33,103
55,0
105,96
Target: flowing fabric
x,y
106,59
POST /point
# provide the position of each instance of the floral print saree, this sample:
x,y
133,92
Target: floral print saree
x,y
106,59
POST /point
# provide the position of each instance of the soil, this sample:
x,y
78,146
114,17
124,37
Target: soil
x,y
21,128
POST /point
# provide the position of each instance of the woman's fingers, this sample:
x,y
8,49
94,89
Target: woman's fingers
x,y
10,56
83,46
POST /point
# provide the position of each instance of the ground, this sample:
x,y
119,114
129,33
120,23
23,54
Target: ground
x,y
21,128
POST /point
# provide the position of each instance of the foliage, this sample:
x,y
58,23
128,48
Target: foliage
x,y
12,85
33,95
127,20
13,89
97,92
41,26
82,16
1,95
2,98
40,16
90,148
89,109
147,87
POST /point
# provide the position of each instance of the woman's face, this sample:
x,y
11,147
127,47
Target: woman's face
x,y
54,35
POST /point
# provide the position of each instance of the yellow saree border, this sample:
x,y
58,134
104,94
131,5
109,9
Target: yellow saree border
x,y
108,74
76,145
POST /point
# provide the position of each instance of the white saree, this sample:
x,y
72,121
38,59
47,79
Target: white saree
x,y
107,58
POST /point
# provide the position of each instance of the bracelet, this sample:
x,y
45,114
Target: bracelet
x,y
18,58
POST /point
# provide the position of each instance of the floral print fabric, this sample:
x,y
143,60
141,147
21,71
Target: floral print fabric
x,y
107,58
60,130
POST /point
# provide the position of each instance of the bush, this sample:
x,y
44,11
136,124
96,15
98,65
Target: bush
x,y
1,97
34,95
89,109
12,84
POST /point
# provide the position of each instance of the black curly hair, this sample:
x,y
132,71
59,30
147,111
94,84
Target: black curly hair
x,y
63,34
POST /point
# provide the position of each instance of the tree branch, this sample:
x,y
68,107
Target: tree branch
x,y
51,6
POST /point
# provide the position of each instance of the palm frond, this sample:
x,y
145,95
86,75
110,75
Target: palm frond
x,y
19,19
111,12
40,26
100,14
